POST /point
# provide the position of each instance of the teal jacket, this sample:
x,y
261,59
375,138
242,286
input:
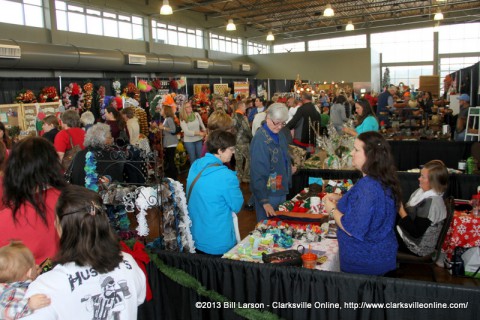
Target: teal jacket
x,y
215,195
370,123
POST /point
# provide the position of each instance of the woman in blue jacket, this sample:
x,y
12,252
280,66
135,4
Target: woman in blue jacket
x,y
270,163
214,196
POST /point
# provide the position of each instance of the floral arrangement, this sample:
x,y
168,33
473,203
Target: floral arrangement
x,y
132,91
143,86
117,87
173,85
91,176
48,94
73,96
100,95
88,95
338,148
26,96
157,84
182,82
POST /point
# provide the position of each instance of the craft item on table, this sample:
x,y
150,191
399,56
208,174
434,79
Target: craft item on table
x,y
313,190
315,180
91,176
338,186
338,147
308,233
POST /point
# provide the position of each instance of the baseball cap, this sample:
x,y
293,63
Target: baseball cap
x,y
464,97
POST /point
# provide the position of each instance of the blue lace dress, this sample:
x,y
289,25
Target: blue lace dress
x,y
369,216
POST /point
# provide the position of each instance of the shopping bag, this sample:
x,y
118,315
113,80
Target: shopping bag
x,y
471,260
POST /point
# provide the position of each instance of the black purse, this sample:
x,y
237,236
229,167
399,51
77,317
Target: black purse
x,y
285,258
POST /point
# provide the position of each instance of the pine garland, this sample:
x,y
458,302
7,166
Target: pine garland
x,y
186,280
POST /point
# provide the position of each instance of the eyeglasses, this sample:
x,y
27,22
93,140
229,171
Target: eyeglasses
x,y
276,124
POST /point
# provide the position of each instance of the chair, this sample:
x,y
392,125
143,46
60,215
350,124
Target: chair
x,y
407,258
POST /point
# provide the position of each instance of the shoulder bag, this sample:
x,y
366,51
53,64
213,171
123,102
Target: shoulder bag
x,y
70,153
198,177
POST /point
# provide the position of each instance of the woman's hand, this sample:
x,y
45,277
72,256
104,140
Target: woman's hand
x,y
401,212
331,200
269,210
349,131
201,133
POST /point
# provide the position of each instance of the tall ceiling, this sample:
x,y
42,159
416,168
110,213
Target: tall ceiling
x,y
290,19
296,18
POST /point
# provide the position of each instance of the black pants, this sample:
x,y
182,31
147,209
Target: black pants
x,y
169,163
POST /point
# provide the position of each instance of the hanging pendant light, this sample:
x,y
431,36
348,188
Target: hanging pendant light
x,y
438,16
350,26
231,26
328,12
270,36
166,9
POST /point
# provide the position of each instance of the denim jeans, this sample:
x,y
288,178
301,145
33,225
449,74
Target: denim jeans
x,y
194,150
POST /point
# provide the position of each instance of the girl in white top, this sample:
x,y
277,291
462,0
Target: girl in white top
x,y
194,131
93,278
133,126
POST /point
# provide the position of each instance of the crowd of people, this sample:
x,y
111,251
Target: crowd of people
x,y
242,141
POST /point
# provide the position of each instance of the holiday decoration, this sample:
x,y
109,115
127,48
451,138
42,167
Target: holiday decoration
x,y
88,95
48,94
26,96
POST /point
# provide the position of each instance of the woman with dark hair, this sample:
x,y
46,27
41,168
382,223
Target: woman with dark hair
x,y
421,219
31,186
71,135
337,113
365,215
4,136
116,122
366,120
426,103
93,278
214,196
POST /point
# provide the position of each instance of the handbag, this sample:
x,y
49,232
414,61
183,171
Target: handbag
x,y
284,258
70,154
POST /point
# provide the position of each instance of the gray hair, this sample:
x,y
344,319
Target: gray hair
x,y
97,135
87,118
278,111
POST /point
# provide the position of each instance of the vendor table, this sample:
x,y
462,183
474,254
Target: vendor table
x,y
329,246
412,154
463,232
460,186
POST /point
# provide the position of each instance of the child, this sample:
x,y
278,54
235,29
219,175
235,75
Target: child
x,y
17,270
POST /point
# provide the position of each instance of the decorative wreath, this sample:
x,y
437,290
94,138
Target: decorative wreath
x,y
48,94
26,96
73,96
88,95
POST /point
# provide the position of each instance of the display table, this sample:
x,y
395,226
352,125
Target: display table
x,y
460,186
328,246
463,232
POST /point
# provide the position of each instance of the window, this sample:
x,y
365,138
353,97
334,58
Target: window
x,y
289,47
226,44
178,36
77,18
409,75
340,43
404,46
22,12
257,48
459,38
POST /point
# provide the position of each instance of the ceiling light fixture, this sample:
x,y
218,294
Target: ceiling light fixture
x,y
438,16
350,26
328,12
270,36
166,10
231,26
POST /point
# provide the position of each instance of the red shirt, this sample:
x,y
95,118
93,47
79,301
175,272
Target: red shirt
x,y
62,140
41,239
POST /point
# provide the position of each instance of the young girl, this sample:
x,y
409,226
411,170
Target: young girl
x,y
17,270
93,278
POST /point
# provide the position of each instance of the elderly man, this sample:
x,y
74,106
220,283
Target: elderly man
x,y
460,127
385,105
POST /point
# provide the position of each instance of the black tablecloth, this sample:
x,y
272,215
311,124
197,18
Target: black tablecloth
x,y
412,154
265,283
460,186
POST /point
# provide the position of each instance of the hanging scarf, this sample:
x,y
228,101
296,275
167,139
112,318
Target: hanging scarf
x,y
420,195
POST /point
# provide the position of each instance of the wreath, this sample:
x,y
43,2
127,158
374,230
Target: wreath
x,y
48,94
26,96
73,96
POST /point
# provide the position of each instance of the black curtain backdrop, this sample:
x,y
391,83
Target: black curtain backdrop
x,y
262,283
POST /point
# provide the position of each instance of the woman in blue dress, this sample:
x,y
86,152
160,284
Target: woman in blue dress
x,y
365,215
366,120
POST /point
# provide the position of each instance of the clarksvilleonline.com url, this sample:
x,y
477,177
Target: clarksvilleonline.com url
x,y
405,305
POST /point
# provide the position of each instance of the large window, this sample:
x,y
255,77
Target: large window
x,y
351,42
404,46
23,12
225,44
289,47
77,18
409,75
178,36
257,48
459,38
